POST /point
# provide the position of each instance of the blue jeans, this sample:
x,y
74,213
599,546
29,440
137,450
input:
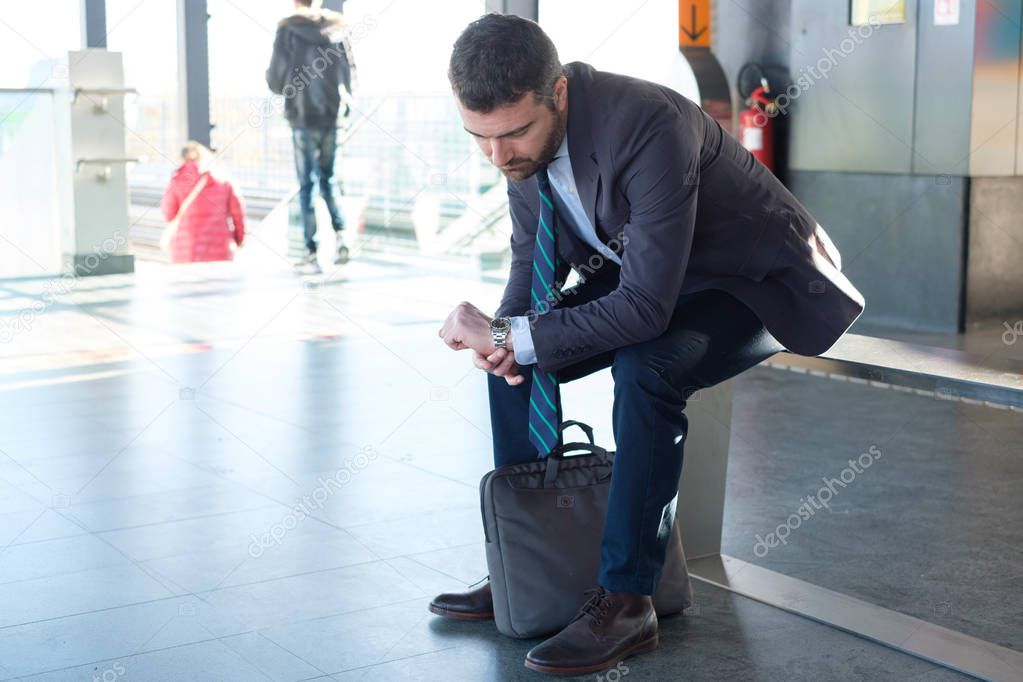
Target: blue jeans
x,y
712,337
315,149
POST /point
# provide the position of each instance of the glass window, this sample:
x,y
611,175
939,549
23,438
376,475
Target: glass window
x,y
146,35
407,168
34,46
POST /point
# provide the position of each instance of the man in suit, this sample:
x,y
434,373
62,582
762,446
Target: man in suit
x,y
695,264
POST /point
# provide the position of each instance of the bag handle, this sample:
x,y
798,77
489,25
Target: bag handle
x,y
553,460
586,428
588,448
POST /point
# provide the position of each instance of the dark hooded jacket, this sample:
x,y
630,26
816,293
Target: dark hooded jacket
x,y
312,61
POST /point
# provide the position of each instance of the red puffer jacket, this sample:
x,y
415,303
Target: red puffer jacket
x,y
203,233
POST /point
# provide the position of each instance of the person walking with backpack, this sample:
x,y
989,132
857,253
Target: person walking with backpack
x,y
312,69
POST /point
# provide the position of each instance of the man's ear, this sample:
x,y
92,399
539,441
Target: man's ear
x,y
560,93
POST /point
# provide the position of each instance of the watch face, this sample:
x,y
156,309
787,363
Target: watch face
x,y
500,324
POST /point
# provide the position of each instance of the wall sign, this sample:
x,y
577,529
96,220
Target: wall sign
x,y
946,12
874,12
694,29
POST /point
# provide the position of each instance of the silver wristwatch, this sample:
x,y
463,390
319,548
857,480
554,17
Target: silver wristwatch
x,y
499,330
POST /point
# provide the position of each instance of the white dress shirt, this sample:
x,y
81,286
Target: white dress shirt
x,y
571,216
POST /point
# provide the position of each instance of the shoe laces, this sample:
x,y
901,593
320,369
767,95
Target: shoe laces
x,y
597,605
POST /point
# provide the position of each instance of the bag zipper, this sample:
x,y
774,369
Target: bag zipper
x,y
483,513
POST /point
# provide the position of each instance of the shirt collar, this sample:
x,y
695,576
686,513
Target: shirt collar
x,y
563,149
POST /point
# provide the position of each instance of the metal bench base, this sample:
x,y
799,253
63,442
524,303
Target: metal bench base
x,y
913,636
700,510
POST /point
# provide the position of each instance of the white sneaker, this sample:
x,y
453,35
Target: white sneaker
x,y
342,253
309,264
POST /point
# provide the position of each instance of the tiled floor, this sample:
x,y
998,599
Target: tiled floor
x,y
219,473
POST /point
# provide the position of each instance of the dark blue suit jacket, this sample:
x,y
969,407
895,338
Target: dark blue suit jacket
x,y
687,208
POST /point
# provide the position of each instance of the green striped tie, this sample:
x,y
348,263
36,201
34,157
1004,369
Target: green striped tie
x,y
544,397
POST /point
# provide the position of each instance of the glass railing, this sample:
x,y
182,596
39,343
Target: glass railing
x,y
30,201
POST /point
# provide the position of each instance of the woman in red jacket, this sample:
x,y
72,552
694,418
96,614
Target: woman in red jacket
x,y
203,232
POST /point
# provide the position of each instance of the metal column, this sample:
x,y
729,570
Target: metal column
x,y
194,69
528,9
94,23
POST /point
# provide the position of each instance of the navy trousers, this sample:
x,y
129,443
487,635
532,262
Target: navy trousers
x,y
712,337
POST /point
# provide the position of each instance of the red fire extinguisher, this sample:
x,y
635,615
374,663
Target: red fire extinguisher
x,y
756,126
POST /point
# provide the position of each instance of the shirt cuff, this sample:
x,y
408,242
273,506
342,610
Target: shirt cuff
x,y
522,340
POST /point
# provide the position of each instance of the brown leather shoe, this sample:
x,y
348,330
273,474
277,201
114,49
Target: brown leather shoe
x,y
475,604
608,628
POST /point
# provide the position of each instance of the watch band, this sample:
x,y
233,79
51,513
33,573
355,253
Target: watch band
x,y
499,331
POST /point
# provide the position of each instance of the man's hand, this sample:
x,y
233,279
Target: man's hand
x,y
468,327
501,363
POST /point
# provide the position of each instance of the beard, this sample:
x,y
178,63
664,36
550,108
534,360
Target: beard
x,y
522,167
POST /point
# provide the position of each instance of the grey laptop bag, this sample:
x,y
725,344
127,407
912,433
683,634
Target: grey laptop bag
x,y
543,523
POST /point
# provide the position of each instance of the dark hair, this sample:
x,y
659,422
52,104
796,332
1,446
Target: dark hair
x,y
499,58
304,3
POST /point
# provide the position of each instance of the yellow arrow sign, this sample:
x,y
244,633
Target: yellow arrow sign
x,y
694,23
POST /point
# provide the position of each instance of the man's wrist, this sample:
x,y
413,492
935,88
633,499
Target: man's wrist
x,y
500,331
524,351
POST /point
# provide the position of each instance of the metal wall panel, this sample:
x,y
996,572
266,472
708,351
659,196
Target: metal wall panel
x,y
902,242
944,77
996,83
994,286
1019,119
757,31
859,115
